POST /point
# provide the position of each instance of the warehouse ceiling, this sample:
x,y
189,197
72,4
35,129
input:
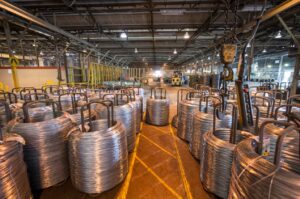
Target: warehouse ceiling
x,y
154,28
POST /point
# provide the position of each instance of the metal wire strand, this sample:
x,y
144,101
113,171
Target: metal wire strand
x,y
45,152
98,159
157,111
14,182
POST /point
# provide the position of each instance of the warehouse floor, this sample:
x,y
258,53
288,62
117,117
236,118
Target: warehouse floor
x,y
160,167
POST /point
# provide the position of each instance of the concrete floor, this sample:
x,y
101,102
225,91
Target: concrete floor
x,y
160,167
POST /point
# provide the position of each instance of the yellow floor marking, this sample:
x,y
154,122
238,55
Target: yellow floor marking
x,y
158,178
123,192
165,132
181,168
158,146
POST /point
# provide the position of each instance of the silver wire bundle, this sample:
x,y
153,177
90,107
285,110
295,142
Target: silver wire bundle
x,y
255,177
187,109
290,150
216,161
14,182
125,115
157,111
202,123
98,159
137,107
45,152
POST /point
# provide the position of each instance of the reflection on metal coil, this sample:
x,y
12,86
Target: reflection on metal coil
x,y
157,111
13,172
45,151
187,109
98,159
255,177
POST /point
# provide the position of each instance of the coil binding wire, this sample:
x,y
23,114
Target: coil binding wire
x,y
255,177
14,181
45,152
98,156
157,108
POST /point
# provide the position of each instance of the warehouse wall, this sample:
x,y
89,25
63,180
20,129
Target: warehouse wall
x,y
30,76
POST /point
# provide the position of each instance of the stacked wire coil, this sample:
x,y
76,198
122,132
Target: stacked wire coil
x,y
98,158
157,109
187,109
255,177
14,181
45,152
202,123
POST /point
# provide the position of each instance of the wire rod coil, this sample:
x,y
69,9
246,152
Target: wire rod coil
x,y
157,108
202,123
45,152
14,181
217,155
187,109
124,113
255,177
98,158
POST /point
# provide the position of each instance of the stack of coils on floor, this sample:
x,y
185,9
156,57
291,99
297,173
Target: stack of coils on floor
x,y
5,113
98,156
187,109
180,96
255,177
217,154
13,172
124,113
157,108
45,152
202,123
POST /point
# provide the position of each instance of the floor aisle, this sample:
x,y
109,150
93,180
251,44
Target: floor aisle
x,y
160,167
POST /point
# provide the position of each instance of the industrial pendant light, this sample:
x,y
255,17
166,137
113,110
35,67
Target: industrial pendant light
x,y
136,50
123,35
264,50
175,51
186,35
278,35
248,45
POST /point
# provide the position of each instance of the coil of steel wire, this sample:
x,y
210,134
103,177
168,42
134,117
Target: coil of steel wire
x,y
124,113
255,177
98,158
187,109
14,181
157,108
45,152
217,154
202,123
136,104
180,94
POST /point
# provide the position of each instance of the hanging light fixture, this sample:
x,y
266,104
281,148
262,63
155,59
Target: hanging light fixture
x,y
186,35
248,45
13,52
264,50
278,35
175,51
84,50
123,35
41,53
136,50
169,58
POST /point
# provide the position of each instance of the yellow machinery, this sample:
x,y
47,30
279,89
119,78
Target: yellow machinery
x,y
177,78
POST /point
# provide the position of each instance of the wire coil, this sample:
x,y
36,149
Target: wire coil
x,y
157,108
45,152
187,109
99,158
255,177
13,172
